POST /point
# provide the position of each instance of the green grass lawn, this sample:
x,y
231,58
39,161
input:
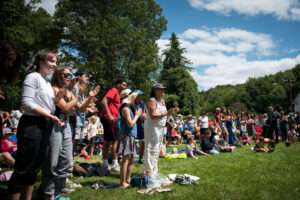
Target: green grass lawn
x,y
239,175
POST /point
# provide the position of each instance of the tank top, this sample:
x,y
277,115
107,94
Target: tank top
x,y
124,126
159,109
61,115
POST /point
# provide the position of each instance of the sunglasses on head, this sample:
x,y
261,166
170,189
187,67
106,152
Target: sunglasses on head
x,y
66,75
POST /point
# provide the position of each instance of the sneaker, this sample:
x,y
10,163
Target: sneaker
x,y
67,190
115,168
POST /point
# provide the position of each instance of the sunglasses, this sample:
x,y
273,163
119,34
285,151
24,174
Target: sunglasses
x,y
66,75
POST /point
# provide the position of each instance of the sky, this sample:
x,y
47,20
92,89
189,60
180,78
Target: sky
x,y
229,41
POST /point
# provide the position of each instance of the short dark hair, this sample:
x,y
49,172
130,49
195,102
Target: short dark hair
x,y
120,80
207,132
81,72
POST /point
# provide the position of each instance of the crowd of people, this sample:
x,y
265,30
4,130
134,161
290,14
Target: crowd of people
x,y
52,122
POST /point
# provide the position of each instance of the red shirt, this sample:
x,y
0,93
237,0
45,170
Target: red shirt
x,y
113,105
217,117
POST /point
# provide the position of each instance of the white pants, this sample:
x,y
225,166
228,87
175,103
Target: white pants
x,y
153,140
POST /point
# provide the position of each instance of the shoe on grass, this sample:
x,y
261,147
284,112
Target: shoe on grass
x,y
115,168
67,190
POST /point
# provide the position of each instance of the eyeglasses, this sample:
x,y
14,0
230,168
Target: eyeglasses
x,y
66,75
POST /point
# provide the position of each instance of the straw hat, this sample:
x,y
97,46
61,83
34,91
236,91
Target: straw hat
x,y
128,96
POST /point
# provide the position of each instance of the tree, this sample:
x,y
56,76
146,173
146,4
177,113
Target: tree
x,y
176,77
112,38
173,57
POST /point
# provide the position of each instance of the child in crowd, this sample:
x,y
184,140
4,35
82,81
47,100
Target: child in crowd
x,y
91,134
206,145
260,146
126,145
191,148
246,139
222,145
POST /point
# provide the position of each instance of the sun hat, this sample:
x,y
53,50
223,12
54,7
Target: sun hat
x,y
139,92
128,96
159,86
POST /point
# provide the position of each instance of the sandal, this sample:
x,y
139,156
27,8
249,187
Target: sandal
x,y
59,197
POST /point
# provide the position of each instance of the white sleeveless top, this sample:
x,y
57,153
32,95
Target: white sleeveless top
x,y
159,121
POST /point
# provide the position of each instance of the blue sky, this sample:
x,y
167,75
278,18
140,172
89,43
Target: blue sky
x,y
229,41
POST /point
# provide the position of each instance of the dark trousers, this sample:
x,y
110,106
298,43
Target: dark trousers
x,y
284,132
271,131
33,140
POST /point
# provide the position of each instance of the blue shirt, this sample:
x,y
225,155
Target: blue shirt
x,y
80,117
124,127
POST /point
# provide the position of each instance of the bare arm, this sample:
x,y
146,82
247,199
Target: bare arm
x,y
152,110
105,101
126,114
62,104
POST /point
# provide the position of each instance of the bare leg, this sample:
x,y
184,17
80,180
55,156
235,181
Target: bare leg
x,y
129,170
123,172
15,196
92,149
142,148
105,149
169,140
27,192
114,150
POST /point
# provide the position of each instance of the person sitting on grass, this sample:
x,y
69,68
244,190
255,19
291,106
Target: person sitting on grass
x,y
246,140
128,132
171,129
260,145
223,146
206,145
186,131
191,148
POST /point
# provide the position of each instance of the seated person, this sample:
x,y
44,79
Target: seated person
x,y
223,146
260,145
171,129
246,139
8,145
191,148
186,131
206,145
8,149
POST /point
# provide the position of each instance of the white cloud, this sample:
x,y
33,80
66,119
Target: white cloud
x,y
225,54
48,5
281,9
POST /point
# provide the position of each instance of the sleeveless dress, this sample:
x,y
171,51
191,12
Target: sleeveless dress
x,y
154,133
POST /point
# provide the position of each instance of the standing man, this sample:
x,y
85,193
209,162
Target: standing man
x,y
109,120
272,123
139,103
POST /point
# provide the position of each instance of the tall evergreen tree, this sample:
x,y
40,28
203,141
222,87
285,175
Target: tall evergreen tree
x,y
175,75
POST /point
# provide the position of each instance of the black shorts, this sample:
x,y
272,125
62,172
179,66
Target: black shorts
x,y
108,134
33,140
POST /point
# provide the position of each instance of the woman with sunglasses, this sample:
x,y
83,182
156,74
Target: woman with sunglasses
x,y
35,126
59,164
